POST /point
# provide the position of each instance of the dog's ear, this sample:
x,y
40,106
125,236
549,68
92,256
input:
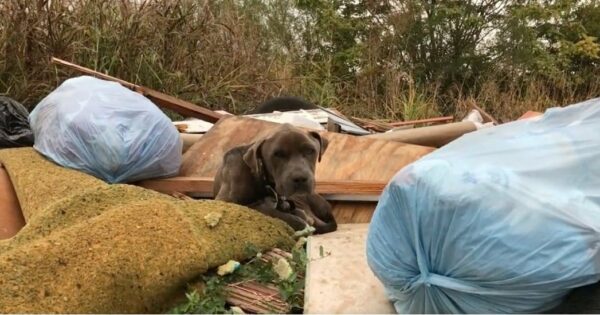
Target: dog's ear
x,y
253,158
323,143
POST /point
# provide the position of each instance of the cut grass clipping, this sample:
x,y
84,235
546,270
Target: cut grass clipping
x,y
208,295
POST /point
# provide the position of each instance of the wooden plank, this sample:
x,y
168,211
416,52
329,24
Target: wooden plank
x,y
340,281
347,158
11,216
530,114
332,190
486,117
166,101
423,121
332,126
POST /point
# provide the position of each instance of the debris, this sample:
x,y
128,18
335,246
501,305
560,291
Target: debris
x,y
119,139
11,217
435,136
213,218
230,267
308,230
166,101
339,281
300,243
255,297
283,269
202,187
445,119
497,205
14,124
237,310
193,125
530,114
116,234
320,116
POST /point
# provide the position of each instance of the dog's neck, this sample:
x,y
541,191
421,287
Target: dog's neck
x,y
269,183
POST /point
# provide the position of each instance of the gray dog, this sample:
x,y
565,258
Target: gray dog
x,y
275,175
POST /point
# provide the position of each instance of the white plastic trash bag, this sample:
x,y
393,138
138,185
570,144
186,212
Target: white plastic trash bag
x,y
106,130
502,220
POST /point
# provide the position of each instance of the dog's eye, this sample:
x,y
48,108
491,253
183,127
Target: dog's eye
x,y
309,151
280,154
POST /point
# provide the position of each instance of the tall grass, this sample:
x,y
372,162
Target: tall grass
x,y
228,55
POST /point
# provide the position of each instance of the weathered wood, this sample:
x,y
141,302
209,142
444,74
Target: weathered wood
x,y
332,126
530,114
444,119
166,101
11,217
347,158
486,117
188,140
203,187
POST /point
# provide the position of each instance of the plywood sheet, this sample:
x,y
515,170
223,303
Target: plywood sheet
x,y
347,158
340,282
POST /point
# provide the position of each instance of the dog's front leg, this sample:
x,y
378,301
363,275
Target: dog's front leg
x,y
268,206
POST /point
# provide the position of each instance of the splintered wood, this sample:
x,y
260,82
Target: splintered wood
x,y
252,296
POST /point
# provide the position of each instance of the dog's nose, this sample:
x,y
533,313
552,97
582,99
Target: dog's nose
x,y
300,180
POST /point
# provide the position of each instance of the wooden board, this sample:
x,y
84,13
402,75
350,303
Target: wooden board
x,y
341,282
530,114
163,100
347,158
11,217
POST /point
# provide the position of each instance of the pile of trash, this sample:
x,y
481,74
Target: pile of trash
x,y
498,218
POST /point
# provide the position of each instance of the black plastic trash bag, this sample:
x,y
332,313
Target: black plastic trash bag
x,y
14,124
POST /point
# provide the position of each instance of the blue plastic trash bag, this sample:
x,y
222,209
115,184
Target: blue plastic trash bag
x,y
106,130
502,220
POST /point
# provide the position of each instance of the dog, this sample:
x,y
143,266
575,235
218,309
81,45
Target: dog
x,y
283,104
275,175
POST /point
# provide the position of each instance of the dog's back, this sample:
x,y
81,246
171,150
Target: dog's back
x,y
283,104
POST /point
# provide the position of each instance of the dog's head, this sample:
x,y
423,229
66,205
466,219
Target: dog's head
x,y
287,157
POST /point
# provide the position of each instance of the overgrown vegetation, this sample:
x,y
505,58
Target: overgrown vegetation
x,y
401,59
211,297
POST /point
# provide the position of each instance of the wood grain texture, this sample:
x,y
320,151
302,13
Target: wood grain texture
x,y
203,187
347,158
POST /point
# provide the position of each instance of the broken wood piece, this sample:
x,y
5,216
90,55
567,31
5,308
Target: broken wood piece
x,y
332,126
435,136
423,121
486,117
180,106
372,124
189,139
11,216
202,187
530,114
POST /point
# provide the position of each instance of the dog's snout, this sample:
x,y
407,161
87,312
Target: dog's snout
x,y
298,180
